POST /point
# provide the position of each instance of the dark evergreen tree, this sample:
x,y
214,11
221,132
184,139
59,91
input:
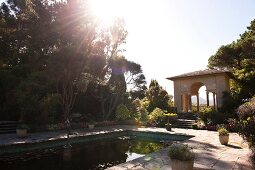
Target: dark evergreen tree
x,y
157,96
239,58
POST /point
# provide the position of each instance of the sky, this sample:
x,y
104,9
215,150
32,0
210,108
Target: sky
x,y
169,38
172,37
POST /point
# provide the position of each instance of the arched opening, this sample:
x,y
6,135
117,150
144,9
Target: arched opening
x,y
188,85
202,97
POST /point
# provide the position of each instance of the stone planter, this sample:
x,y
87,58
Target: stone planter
x,y
21,132
224,139
168,127
67,154
182,165
91,126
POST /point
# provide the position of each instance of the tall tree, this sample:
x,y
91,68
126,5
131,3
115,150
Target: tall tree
x,y
53,50
239,58
157,96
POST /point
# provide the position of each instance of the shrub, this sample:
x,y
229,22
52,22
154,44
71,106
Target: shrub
x,y
211,127
181,152
200,124
194,126
223,131
232,125
171,117
143,114
219,117
205,114
145,103
246,124
22,126
211,117
156,115
122,112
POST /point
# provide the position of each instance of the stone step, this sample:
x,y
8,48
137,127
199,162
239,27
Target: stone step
x,y
190,116
183,123
8,127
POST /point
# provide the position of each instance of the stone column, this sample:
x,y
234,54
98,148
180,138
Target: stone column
x,y
185,103
197,102
181,103
214,103
207,98
190,103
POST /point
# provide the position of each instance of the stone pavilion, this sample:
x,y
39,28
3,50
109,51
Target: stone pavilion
x,y
188,84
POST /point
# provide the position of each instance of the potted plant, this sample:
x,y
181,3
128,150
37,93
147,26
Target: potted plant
x,y
182,157
21,130
223,136
173,116
91,124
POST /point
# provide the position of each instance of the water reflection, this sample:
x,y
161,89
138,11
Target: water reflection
x,y
96,155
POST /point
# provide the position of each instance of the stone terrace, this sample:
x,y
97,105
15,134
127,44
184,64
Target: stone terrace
x,y
210,154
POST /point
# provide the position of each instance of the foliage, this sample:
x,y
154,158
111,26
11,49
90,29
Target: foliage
x,y
246,114
143,114
140,110
76,117
171,115
91,122
211,117
156,115
50,63
232,125
238,57
194,126
223,131
157,96
50,107
230,102
205,114
23,126
145,103
122,112
181,152
144,147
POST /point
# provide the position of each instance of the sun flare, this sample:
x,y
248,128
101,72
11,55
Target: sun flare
x,y
106,10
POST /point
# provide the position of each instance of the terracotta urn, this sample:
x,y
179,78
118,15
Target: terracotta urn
x,y
91,126
182,165
21,132
224,139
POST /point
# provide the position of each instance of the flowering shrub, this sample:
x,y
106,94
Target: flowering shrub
x,y
246,124
211,127
232,125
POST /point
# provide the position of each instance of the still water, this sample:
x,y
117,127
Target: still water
x,y
96,155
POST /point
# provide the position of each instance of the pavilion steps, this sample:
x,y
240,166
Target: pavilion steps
x,y
188,116
183,123
8,127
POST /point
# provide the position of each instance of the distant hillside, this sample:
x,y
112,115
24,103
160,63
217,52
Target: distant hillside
x,y
201,100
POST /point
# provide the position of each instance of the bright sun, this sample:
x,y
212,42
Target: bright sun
x,y
106,10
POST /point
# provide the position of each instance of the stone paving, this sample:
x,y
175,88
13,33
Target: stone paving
x,y
210,154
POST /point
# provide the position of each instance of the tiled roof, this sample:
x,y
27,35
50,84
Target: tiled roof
x,y
200,73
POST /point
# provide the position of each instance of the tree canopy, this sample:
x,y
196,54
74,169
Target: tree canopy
x,y
239,58
56,59
157,96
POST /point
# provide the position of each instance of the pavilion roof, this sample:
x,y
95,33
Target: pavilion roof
x,y
200,73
